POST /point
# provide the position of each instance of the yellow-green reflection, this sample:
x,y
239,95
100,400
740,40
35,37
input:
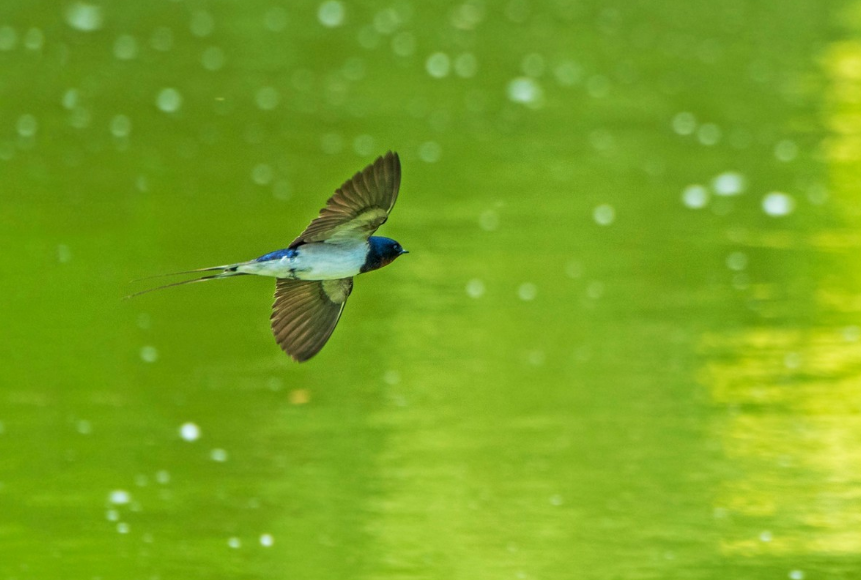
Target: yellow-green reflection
x,y
791,422
791,430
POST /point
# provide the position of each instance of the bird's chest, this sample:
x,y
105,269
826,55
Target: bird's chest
x,y
319,261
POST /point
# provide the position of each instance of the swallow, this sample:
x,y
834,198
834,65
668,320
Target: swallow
x,y
314,274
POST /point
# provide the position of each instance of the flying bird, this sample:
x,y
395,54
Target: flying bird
x,y
314,274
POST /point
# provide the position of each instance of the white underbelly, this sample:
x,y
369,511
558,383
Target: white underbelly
x,y
316,261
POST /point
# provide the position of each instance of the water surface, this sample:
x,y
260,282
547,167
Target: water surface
x,y
624,344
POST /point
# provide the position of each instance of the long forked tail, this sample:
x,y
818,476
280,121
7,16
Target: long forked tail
x,y
227,271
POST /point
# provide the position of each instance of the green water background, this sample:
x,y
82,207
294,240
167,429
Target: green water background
x,y
625,344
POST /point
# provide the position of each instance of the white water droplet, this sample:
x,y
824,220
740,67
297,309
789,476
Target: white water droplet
x,y
527,291
430,151
392,377
121,126
202,23
64,254
149,354
737,261
709,134
684,123
595,289
438,65
169,100
27,125
604,214
778,204
475,288
526,91
786,150
189,431
34,39
488,220
70,99
119,497
331,13
729,183
262,174
695,196
84,17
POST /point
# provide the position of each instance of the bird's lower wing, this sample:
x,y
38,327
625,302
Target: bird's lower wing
x,y
306,312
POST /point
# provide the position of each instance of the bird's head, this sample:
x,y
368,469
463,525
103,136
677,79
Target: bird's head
x,y
381,252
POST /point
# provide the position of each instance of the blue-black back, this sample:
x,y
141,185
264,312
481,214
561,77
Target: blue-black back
x,y
277,255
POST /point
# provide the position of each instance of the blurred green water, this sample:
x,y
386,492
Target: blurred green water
x,y
587,367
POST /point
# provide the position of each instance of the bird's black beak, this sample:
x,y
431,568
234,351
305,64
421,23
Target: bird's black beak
x,y
403,252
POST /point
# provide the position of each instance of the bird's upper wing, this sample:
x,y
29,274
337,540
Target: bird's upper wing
x,y
306,312
359,206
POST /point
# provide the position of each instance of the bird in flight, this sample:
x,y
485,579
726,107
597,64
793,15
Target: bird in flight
x,y
314,274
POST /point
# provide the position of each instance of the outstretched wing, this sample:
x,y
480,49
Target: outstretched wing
x,y
306,312
359,206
